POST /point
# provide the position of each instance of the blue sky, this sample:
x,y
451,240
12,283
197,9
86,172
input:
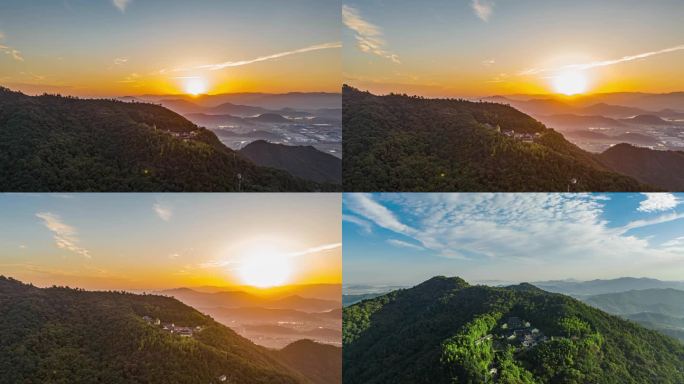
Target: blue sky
x,y
143,241
403,239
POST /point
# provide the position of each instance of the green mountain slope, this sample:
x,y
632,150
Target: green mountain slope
x,y
397,142
320,363
659,309
446,331
53,143
306,162
659,168
61,335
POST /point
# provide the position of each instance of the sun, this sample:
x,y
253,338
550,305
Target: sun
x,y
263,266
195,86
570,83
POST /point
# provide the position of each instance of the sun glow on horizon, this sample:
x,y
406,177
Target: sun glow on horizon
x,y
195,86
570,83
263,266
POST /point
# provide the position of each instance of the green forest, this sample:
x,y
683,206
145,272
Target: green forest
x,y
405,143
63,335
447,331
55,143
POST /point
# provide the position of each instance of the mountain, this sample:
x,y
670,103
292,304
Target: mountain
x,y
402,143
238,299
646,120
573,122
54,143
236,110
348,300
665,301
446,331
302,101
659,309
214,121
597,287
320,363
62,335
305,162
270,118
660,168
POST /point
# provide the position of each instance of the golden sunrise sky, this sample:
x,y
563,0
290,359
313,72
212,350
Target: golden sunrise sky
x,y
486,47
156,241
134,47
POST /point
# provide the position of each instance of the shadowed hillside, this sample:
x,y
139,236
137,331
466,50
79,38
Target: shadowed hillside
x,y
53,143
397,142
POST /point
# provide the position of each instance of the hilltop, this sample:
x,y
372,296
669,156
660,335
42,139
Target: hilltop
x,y
398,142
54,143
447,331
60,334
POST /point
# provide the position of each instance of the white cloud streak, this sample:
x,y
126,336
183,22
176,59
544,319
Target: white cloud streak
x,y
404,244
121,4
510,226
366,226
369,37
65,236
604,63
483,9
229,64
163,211
656,202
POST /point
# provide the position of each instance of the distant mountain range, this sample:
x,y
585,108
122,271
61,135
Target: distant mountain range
x,y
446,331
598,287
653,303
306,101
305,162
62,335
53,143
401,143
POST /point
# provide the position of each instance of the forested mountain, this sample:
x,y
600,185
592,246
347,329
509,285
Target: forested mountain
x,y
306,162
659,309
660,168
397,142
319,362
53,143
62,335
446,331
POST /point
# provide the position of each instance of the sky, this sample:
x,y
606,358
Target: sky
x,y
134,47
473,48
404,239
158,241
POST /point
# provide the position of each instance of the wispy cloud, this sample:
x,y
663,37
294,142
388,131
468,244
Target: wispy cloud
x,y
488,62
364,205
228,64
483,8
10,51
369,37
509,226
164,212
404,244
121,4
120,60
365,225
603,63
656,202
317,249
66,236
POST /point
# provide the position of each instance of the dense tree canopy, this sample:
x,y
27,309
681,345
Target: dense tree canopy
x,y
445,331
61,335
402,143
54,143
